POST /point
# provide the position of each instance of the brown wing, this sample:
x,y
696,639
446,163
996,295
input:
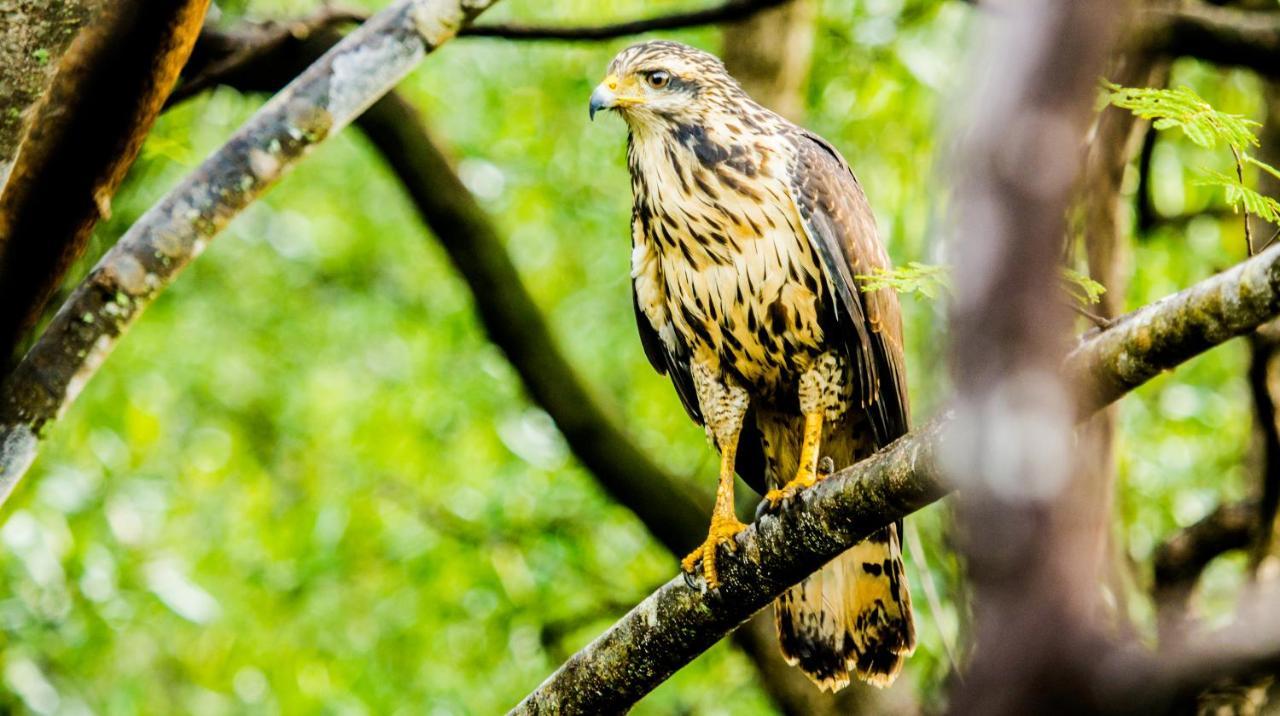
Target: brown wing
x,y
842,230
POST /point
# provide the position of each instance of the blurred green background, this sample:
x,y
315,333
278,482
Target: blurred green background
x,y
306,483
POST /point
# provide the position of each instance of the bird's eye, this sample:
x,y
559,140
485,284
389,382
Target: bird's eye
x,y
658,78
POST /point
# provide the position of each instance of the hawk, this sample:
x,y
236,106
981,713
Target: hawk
x,y
747,232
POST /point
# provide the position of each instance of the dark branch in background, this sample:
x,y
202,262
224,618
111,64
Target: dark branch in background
x,y
321,101
1182,558
221,54
1265,345
1262,349
107,95
1222,35
727,12
676,623
671,511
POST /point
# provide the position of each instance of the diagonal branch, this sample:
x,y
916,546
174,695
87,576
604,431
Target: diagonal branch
x,y
676,623
323,100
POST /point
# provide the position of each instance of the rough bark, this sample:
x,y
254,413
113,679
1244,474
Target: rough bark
x,y
33,36
328,96
108,93
678,622
1109,363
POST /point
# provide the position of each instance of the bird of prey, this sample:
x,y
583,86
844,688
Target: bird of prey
x,y
747,232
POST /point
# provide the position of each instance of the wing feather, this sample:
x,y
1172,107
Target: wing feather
x,y
842,231
666,362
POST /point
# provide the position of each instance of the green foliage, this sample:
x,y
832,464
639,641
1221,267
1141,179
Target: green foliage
x,y
925,279
1241,197
1081,287
1184,109
1205,126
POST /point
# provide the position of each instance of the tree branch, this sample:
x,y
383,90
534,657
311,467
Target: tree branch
x,y
1181,559
328,96
677,622
727,12
1222,35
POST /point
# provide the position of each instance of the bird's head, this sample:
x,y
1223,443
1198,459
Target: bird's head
x,y
661,83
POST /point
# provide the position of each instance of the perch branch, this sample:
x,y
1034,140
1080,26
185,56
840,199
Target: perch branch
x,y
325,98
676,623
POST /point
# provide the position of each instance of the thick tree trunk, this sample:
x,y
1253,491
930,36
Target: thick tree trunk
x,y
107,94
33,36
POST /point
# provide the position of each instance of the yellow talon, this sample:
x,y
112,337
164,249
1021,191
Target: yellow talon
x,y
723,530
791,489
807,475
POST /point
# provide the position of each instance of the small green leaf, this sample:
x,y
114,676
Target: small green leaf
x,y
1082,288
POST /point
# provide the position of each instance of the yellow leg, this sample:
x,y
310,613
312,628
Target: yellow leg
x,y
807,474
724,524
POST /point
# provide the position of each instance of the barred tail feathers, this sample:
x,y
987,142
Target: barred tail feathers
x,y
851,617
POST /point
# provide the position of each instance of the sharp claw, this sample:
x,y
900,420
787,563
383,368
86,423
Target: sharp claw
x,y
691,580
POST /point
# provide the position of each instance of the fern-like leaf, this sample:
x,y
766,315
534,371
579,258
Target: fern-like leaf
x,y
1241,197
1183,109
925,279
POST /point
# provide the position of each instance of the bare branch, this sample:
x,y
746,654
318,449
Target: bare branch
x,y
1223,35
726,12
676,623
324,99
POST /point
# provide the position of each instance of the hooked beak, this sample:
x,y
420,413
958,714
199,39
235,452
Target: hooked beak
x,y
602,98
606,96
